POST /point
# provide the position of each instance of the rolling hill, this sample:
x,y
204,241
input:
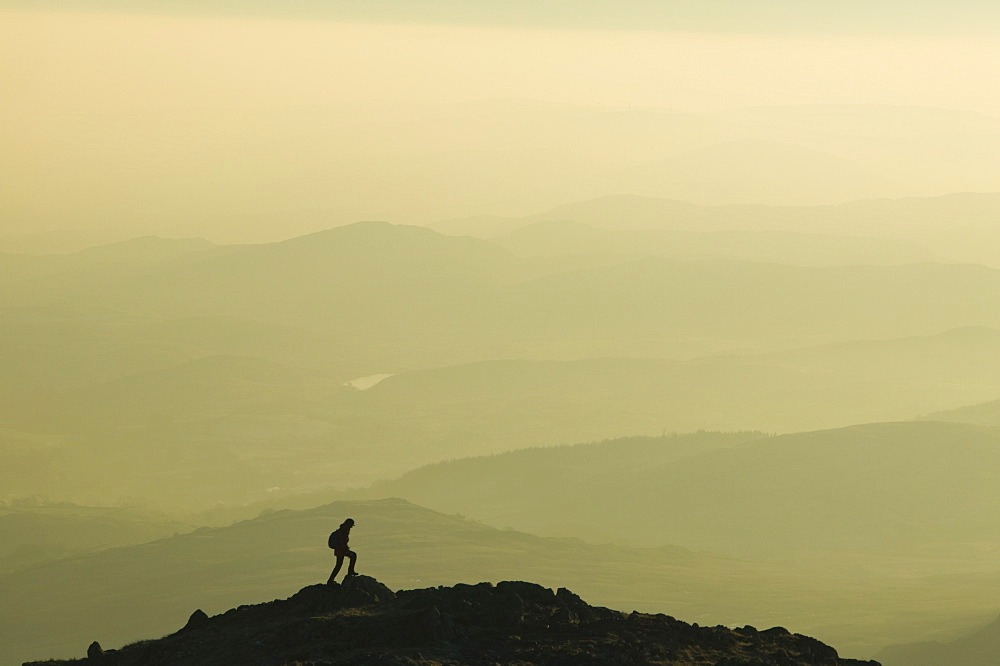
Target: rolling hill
x,y
195,363
976,649
372,279
750,303
933,222
236,429
406,297
875,487
532,403
30,534
957,358
206,388
987,413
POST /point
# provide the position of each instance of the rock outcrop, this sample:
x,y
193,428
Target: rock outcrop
x,y
364,622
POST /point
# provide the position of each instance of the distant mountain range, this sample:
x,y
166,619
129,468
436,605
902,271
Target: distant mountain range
x,y
553,238
955,227
330,164
374,280
214,422
31,534
192,361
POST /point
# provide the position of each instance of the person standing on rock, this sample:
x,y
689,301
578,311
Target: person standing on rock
x,y
338,541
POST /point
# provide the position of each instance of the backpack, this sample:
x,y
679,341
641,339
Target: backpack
x,y
333,539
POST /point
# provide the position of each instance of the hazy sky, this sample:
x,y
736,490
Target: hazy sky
x,y
120,61
70,69
888,16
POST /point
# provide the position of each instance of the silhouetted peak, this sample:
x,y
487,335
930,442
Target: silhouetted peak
x,y
197,619
362,621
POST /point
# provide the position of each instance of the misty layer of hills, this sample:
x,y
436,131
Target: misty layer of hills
x,y
857,488
833,374
31,532
956,227
193,361
979,647
302,168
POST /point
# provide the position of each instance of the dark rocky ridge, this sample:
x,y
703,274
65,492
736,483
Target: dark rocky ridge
x,y
364,622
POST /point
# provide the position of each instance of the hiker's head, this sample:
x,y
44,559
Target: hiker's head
x,y
349,523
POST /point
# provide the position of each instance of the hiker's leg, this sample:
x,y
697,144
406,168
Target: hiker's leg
x,y
354,558
336,569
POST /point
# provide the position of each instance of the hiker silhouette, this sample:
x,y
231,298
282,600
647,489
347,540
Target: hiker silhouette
x,y
338,541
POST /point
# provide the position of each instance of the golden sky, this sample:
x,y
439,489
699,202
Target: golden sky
x,y
117,62
94,102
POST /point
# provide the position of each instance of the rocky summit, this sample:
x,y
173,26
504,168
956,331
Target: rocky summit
x,y
364,622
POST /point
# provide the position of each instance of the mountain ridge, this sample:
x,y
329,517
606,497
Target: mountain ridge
x,y
915,219
364,622
767,496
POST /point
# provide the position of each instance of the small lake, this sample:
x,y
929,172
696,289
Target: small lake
x,y
363,383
